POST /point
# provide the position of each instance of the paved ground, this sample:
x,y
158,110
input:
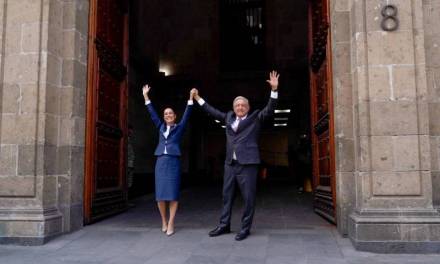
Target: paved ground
x,y
285,231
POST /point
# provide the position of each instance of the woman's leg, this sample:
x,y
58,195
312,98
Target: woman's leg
x,y
173,210
163,214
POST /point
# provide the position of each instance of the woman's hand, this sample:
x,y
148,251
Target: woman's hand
x,y
191,94
145,91
195,93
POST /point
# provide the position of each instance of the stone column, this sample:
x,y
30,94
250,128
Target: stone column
x,y
432,47
72,115
43,59
343,111
394,208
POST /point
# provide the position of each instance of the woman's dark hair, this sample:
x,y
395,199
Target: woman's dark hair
x,y
166,107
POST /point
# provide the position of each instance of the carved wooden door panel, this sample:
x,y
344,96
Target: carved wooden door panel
x,y
322,110
105,184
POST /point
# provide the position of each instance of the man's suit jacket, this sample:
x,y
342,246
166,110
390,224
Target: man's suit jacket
x,y
172,142
244,141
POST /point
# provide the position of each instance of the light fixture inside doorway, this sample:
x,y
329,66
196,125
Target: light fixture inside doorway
x,y
165,71
282,111
166,68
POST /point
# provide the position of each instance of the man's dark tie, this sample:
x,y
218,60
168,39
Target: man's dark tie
x,y
238,123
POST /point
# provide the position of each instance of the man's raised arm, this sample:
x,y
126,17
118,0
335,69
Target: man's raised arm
x,y
217,114
268,110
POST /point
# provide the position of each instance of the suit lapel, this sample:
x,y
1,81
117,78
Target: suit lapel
x,y
173,129
163,129
231,121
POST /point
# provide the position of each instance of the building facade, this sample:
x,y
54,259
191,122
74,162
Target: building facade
x,y
386,118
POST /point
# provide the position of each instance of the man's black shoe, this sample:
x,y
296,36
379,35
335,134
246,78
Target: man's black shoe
x,y
242,235
219,230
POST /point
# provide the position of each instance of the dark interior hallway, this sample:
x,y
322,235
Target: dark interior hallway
x,y
224,48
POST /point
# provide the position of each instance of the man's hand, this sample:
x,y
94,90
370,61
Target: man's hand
x,y
195,93
273,81
145,91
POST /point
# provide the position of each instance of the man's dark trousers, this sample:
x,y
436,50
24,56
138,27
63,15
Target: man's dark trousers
x,y
246,178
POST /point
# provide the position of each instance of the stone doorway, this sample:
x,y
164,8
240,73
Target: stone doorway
x,y
283,151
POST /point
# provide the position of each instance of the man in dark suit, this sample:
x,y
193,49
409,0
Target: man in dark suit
x,y
242,155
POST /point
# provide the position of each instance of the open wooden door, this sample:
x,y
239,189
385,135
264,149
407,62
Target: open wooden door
x,y
105,185
322,109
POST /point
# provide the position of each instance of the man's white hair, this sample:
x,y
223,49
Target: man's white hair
x,y
246,101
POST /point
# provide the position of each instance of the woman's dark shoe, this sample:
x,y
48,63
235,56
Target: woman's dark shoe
x,y
219,230
242,235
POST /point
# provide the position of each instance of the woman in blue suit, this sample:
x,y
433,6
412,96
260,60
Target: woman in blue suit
x,y
167,171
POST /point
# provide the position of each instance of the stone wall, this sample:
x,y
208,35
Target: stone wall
x,y
43,78
392,160
431,14
343,111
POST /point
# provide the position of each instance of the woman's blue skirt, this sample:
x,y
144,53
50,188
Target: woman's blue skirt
x,y
167,176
